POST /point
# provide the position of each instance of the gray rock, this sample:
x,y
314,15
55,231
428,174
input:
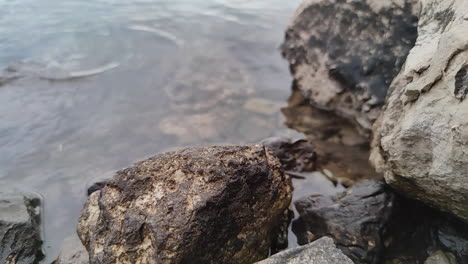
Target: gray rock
x,y
355,218
421,137
205,205
321,251
20,232
72,252
440,257
344,54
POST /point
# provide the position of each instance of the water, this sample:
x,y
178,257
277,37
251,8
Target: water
x,y
90,87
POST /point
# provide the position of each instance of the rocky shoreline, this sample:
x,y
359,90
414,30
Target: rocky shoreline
x,y
385,81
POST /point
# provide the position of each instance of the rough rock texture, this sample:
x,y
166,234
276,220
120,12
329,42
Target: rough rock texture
x,y
206,205
321,251
355,218
344,54
72,252
20,235
421,138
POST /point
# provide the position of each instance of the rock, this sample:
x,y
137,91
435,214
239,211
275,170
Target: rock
x,y
344,54
355,218
321,251
20,232
422,135
440,257
73,252
205,205
294,156
96,186
433,230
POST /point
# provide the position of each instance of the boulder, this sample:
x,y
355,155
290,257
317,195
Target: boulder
x,y
422,135
355,218
20,232
72,252
344,54
321,251
205,205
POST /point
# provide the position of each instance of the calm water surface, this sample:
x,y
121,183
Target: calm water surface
x,y
89,87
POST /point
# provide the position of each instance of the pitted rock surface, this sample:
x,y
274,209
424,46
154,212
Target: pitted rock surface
x,y
344,54
205,205
421,138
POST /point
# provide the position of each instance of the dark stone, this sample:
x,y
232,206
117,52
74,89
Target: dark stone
x,y
355,218
373,224
20,235
344,54
416,231
461,83
96,186
294,156
203,205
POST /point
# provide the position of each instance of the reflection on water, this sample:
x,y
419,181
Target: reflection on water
x,y
89,87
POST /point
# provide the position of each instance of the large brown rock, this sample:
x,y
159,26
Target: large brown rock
x,y
421,139
206,205
344,54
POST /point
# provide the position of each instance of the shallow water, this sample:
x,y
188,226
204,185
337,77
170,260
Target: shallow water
x,y
90,87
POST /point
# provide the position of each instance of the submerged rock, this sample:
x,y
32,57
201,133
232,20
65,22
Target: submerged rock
x,y
20,232
321,251
344,54
72,252
355,218
421,137
206,205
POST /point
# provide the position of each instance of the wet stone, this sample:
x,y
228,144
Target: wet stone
x,y
294,156
344,54
199,205
355,218
20,232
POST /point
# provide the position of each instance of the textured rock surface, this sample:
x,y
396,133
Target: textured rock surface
x,y
72,252
421,138
206,205
322,251
344,54
355,218
20,235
